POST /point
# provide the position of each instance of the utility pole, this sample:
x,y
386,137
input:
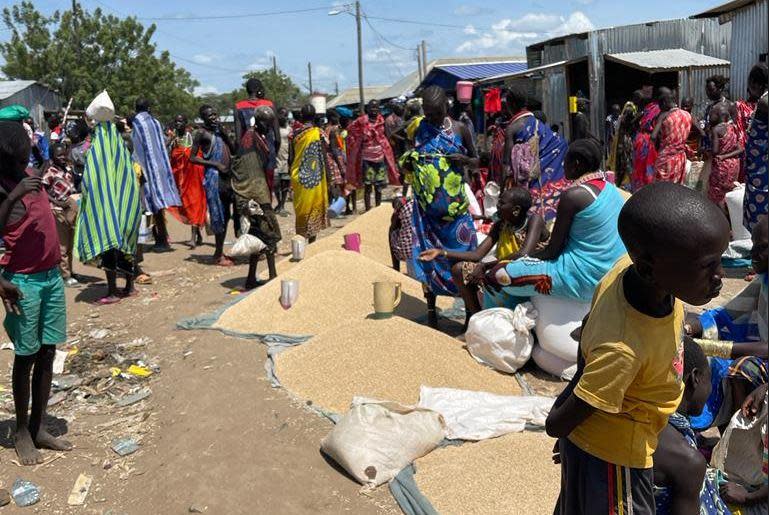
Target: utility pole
x,y
419,62
360,57
274,65
336,88
424,58
309,75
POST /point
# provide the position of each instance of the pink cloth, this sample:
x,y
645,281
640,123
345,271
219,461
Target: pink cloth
x,y
670,165
724,172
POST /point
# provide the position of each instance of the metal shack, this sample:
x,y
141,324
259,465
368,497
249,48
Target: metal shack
x,y
33,95
607,65
749,20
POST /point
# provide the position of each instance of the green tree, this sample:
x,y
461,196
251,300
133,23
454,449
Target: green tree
x,y
81,53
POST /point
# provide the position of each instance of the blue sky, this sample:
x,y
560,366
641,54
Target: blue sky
x,y
218,51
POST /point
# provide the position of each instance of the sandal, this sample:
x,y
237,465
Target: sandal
x,y
106,301
143,279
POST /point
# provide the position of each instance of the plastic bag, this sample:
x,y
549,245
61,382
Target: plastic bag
x,y
558,317
734,200
738,453
247,245
375,440
145,229
552,364
480,415
101,108
501,338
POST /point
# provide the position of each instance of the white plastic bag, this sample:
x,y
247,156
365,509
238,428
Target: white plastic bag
x,y
101,108
552,364
491,198
558,317
480,415
738,453
501,338
734,201
145,229
246,245
375,440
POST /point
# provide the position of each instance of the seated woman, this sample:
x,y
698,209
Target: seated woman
x,y
442,149
738,365
516,234
584,244
683,484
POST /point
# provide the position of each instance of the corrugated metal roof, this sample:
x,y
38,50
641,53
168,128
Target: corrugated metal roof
x,y
408,84
352,96
723,8
669,59
520,73
482,70
11,87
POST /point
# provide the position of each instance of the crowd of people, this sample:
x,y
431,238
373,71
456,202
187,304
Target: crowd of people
x,y
617,229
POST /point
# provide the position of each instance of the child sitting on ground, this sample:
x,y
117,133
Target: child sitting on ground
x,y
516,234
32,290
630,367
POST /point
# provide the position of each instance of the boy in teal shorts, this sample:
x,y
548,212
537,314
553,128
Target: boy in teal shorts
x,y
32,291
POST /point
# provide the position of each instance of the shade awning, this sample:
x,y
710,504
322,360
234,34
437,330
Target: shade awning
x,y
481,70
666,60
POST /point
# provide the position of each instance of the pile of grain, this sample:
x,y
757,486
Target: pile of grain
x,y
335,287
382,359
510,474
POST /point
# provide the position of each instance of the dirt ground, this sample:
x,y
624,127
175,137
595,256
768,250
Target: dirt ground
x,y
214,436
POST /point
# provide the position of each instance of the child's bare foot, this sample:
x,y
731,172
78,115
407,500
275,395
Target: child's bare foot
x,y
25,448
46,440
224,261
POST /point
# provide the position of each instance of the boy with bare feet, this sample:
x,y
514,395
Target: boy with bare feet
x,y
32,291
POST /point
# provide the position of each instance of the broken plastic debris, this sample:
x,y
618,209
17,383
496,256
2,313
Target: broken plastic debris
x,y
25,493
125,446
66,382
58,361
134,398
80,490
98,334
139,371
56,398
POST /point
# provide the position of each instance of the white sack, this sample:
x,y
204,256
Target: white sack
x,y
480,415
553,365
558,317
375,440
738,453
734,201
501,338
246,245
101,108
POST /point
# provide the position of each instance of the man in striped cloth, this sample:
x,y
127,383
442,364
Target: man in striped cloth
x,y
159,189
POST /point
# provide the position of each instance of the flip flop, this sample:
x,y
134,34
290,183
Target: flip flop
x,y
106,301
143,279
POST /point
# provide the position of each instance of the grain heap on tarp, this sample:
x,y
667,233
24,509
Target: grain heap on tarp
x,y
335,287
510,474
382,359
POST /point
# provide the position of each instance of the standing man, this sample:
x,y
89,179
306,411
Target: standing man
x,y
244,120
581,122
216,149
159,190
370,160
610,127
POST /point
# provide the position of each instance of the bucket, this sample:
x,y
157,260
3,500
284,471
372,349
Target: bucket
x,y
387,296
319,103
352,242
298,246
490,198
289,292
337,207
464,91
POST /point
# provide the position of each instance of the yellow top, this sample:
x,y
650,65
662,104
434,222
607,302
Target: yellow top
x,y
632,375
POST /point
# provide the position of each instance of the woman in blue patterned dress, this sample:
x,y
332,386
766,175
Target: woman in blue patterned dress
x,y
756,169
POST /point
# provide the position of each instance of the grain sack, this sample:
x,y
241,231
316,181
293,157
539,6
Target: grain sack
x,y
501,338
382,359
507,475
376,439
335,287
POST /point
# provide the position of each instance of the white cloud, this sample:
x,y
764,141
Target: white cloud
x,y
509,35
203,58
205,89
471,10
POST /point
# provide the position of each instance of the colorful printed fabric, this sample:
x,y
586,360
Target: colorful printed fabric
x,y
333,155
756,201
670,165
724,172
547,186
109,209
401,234
189,181
217,152
309,181
360,134
710,499
58,183
374,173
644,152
159,191
497,159
440,219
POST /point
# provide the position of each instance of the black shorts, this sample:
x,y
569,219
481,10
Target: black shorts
x,y
592,486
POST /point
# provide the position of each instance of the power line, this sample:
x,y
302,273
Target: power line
x,y
417,22
232,16
381,36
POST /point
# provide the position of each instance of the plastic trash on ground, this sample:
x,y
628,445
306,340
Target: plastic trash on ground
x,y
376,439
481,415
25,493
501,338
125,446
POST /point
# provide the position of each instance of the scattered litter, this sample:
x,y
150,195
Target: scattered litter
x,y
98,334
136,342
66,382
125,446
56,398
80,490
5,497
58,361
139,371
134,398
164,273
197,509
25,493
7,346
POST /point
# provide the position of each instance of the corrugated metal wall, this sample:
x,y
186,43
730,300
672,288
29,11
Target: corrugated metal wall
x,y
554,98
37,99
750,39
692,84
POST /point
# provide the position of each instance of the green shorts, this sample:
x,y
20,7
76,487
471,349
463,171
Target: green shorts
x,y
43,318
375,174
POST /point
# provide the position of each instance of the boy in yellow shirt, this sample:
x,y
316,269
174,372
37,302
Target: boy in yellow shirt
x,y
631,351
